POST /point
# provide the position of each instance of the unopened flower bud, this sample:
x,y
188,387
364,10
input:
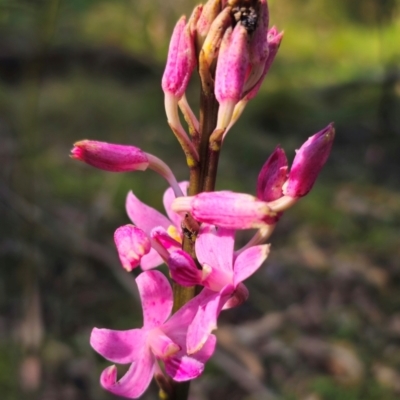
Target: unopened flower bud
x,y
132,244
181,60
211,45
110,157
272,176
233,61
308,162
210,11
258,47
225,209
274,40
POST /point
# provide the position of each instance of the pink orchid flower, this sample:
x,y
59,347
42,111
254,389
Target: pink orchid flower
x,y
220,267
147,219
222,275
159,339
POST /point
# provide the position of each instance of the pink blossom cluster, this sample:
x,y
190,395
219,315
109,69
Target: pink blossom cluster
x,y
234,50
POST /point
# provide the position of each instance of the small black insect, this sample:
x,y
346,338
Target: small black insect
x,y
190,227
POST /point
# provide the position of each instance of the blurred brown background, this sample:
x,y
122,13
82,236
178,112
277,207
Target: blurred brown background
x,y
323,319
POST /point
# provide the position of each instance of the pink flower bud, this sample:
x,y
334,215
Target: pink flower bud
x,y
258,49
230,74
233,60
308,162
225,209
181,60
110,157
132,244
274,41
259,41
272,176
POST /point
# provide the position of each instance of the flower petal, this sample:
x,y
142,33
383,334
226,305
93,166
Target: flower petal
x,y
240,295
183,368
121,347
144,216
248,262
183,269
206,317
156,295
135,381
168,198
214,247
151,260
165,239
207,350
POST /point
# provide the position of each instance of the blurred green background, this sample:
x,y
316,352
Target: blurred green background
x,y
323,318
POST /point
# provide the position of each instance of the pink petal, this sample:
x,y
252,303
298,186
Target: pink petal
x,y
207,350
121,347
145,217
206,317
134,382
151,260
248,262
215,247
183,269
183,368
157,299
163,238
239,296
176,327
168,198
162,345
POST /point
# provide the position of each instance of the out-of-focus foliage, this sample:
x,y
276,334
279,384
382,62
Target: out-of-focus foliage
x,y
323,319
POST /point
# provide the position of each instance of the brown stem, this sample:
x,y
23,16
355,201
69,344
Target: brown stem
x,y
208,122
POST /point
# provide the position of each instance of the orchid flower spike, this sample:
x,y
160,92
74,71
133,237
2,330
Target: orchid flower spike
x,y
121,158
160,339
